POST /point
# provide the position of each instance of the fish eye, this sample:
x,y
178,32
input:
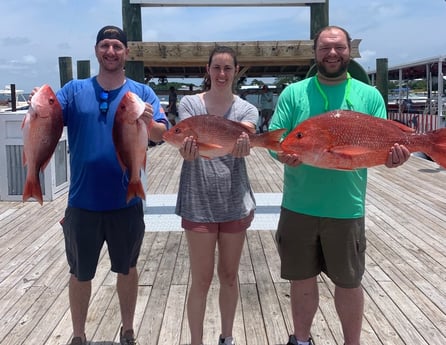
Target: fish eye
x,y
299,135
51,101
177,130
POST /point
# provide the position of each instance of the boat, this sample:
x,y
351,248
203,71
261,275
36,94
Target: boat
x,y
409,103
5,99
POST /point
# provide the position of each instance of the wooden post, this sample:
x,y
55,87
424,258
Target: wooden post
x,y
83,69
382,78
65,70
319,17
13,98
131,19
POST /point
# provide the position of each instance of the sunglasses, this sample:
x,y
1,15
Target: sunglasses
x,y
103,106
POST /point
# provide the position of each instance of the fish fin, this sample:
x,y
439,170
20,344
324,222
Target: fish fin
x,y
208,146
349,151
135,189
144,164
32,190
121,162
248,128
403,127
269,140
44,165
437,151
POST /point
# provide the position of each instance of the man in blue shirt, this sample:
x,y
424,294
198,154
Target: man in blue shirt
x,y
97,210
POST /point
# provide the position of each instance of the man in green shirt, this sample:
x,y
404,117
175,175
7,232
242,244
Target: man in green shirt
x,y
321,226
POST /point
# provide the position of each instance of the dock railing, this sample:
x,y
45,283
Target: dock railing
x,y
422,123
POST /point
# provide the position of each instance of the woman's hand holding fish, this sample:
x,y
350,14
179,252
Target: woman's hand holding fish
x,y
242,146
290,159
189,149
398,154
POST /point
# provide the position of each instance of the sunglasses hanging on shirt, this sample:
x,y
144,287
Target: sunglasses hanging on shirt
x,y
103,105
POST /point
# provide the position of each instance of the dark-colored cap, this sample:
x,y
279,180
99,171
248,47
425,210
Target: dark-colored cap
x,y
111,32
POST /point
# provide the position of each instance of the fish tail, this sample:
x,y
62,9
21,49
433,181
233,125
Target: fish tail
x,y
135,189
269,140
438,150
32,190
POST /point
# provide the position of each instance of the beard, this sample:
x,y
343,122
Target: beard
x,y
342,69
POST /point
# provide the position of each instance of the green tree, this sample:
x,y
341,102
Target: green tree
x,y
257,82
286,80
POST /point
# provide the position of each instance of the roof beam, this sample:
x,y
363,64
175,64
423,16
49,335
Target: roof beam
x,y
252,53
221,3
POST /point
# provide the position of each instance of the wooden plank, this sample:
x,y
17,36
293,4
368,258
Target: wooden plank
x,y
15,315
270,249
108,325
57,305
411,266
246,272
171,324
249,3
212,315
149,271
420,292
157,302
33,261
30,317
392,312
432,334
274,324
181,274
252,53
144,293
252,315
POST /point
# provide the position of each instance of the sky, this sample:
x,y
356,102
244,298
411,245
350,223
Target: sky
x,y
35,33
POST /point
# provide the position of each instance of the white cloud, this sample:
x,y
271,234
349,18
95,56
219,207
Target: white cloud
x,y
29,60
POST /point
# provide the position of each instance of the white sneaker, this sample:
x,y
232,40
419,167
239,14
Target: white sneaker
x,y
226,341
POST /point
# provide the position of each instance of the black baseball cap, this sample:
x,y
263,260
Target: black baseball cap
x,y
111,32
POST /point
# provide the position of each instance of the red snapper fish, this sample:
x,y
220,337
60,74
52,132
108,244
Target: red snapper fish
x,y
347,140
130,137
41,128
216,136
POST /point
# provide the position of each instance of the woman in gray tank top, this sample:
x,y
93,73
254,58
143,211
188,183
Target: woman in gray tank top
x,y
215,200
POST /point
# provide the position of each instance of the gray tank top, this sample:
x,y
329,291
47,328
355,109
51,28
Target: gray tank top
x,y
218,189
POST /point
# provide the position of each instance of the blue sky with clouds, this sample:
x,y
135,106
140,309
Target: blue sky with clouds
x,y
35,33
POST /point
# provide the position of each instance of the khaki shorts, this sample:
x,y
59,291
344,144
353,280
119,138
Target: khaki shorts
x,y
310,245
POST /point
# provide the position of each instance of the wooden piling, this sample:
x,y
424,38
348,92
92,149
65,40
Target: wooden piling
x,y
131,19
83,69
65,69
382,78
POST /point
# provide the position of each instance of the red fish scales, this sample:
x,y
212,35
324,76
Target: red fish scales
x,y
348,140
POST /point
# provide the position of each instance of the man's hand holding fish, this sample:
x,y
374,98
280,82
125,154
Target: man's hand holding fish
x,y
398,154
290,159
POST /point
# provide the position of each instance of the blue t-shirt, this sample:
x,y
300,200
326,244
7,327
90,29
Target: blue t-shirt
x,y
97,182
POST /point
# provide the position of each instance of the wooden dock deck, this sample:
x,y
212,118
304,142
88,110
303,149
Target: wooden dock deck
x,y
404,283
